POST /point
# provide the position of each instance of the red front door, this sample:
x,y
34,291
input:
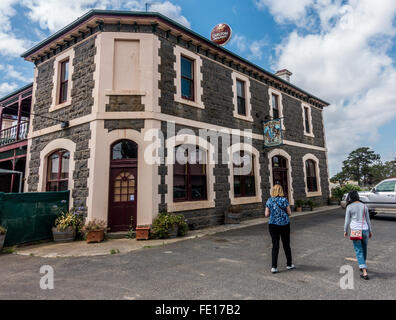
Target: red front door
x,y
123,198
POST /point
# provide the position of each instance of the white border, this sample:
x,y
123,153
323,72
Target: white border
x,y
310,156
239,76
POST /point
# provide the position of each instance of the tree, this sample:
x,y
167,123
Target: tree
x,y
340,177
358,164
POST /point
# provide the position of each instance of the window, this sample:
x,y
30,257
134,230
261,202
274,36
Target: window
x,y
189,174
387,186
124,149
58,171
243,172
275,106
306,119
241,97
64,79
310,169
187,78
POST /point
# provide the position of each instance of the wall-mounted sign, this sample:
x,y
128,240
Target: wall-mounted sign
x,y
221,34
273,133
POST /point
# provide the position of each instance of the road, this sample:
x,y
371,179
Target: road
x,y
230,265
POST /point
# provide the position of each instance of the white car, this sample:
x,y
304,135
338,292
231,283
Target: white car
x,y
343,201
381,198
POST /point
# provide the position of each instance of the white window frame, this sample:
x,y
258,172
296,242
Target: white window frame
x,y
198,89
256,169
306,133
67,55
310,156
239,76
272,91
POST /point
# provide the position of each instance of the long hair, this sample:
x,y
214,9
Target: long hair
x,y
352,196
277,191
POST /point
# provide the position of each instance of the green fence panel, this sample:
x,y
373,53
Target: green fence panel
x,y
30,216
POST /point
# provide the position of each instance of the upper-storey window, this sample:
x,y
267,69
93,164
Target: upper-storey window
x,y
275,106
310,169
306,119
187,78
64,79
241,97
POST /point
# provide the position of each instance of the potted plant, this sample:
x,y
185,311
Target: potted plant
x,y
3,232
94,230
333,201
232,215
299,205
143,232
308,205
67,225
168,225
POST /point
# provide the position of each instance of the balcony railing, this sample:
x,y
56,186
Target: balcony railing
x,y
9,135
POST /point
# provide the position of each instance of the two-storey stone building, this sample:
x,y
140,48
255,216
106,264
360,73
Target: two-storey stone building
x,y
111,81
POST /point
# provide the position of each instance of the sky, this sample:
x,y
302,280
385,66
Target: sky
x,y
342,51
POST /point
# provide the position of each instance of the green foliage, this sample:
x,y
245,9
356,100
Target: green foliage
x,y
299,203
164,221
114,251
310,203
2,230
72,218
94,225
338,192
131,234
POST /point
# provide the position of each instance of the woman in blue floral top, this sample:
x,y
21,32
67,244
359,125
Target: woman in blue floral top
x,y
278,209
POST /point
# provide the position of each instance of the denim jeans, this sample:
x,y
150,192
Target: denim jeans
x,y
361,249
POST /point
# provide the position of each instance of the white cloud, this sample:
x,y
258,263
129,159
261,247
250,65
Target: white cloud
x,y
256,49
10,72
345,61
252,49
55,14
6,88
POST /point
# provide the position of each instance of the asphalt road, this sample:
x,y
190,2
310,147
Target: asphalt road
x,y
230,265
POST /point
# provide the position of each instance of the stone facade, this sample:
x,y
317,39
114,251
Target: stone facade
x,y
124,103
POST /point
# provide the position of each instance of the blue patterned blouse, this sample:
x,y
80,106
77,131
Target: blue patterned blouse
x,y
278,211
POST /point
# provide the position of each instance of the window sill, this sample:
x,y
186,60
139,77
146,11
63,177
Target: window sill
x,y
246,118
125,93
313,194
245,200
189,102
190,205
60,106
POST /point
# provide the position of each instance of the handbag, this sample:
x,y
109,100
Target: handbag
x,y
358,234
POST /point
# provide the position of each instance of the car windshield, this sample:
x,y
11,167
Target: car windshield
x,y
386,186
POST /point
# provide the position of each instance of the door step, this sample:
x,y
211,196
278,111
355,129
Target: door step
x,y
117,235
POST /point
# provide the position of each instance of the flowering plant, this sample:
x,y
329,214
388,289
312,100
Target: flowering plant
x,y
94,225
72,218
165,221
2,230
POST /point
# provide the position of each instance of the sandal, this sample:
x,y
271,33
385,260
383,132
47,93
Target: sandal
x,y
366,277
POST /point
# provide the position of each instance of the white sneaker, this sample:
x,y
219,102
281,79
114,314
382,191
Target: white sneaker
x,y
290,267
274,270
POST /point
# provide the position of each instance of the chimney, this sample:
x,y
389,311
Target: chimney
x,y
284,74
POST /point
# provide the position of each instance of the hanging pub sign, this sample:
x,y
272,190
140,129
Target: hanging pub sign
x,y
221,34
273,135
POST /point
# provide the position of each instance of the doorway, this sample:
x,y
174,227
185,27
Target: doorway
x,y
123,186
280,173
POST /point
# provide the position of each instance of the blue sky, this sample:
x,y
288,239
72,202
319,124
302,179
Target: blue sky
x,y
342,51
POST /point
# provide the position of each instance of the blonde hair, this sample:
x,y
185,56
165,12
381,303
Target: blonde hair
x,y
277,191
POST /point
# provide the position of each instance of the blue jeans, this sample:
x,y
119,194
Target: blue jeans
x,y
361,249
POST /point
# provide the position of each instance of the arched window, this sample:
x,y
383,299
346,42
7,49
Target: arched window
x,y
189,174
58,171
312,179
124,149
244,179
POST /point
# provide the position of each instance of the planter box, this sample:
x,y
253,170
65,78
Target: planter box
x,y
299,209
2,238
95,236
64,236
143,233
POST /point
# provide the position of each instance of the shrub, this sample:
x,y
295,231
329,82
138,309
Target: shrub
x,y
338,192
72,218
2,230
94,225
299,203
164,221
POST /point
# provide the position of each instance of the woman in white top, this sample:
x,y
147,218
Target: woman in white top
x,y
357,217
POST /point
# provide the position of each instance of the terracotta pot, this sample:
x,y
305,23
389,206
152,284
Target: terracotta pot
x,y
2,238
64,236
299,209
95,236
142,233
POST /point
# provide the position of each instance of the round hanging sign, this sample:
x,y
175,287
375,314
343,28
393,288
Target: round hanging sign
x,y
221,34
